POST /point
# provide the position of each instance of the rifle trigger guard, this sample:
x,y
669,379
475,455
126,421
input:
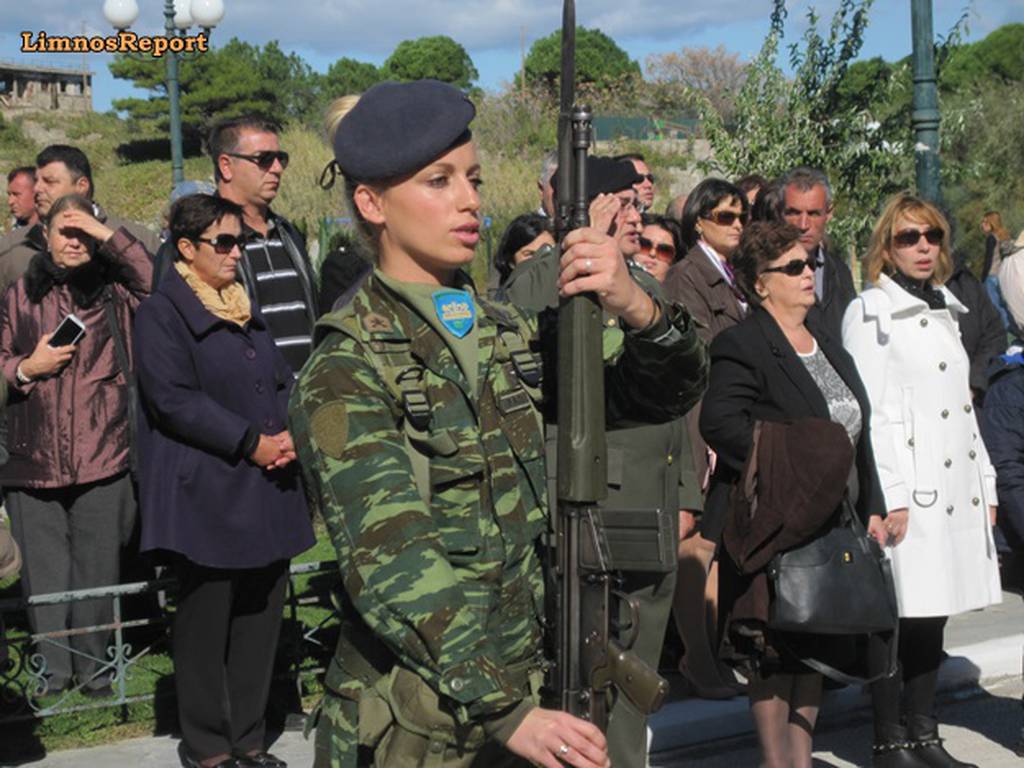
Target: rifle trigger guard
x,y
633,627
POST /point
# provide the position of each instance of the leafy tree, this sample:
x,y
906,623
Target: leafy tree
x,y
347,76
438,57
599,61
999,58
807,119
237,78
717,73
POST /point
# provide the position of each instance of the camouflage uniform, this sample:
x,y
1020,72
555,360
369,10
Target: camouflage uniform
x,y
436,514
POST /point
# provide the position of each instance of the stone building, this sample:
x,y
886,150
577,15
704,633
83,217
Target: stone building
x,y
33,88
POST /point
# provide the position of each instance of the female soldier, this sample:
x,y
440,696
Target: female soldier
x,y
417,428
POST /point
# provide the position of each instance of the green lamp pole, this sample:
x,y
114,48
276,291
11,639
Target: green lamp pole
x,y
179,15
925,117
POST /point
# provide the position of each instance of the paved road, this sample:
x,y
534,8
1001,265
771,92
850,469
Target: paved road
x,y
981,726
984,722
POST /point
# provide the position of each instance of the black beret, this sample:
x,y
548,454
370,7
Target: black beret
x,y
397,128
606,175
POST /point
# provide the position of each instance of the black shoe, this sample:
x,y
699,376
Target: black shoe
x,y
893,750
924,735
188,760
261,760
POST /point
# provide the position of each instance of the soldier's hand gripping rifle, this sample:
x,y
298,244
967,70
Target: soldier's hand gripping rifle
x,y
588,659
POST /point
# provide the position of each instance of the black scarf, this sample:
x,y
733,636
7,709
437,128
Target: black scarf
x,y
86,282
920,289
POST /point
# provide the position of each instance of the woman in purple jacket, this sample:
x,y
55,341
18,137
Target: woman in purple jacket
x,y
67,484
218,486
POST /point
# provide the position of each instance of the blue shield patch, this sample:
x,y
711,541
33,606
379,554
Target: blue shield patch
x,y
456,311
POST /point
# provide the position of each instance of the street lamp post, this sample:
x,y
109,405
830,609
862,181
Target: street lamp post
x,y
179,15
925,117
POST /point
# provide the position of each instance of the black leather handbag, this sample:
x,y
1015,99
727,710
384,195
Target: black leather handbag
x,y
839,583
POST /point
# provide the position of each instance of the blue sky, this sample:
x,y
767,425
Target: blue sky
x,y
322,31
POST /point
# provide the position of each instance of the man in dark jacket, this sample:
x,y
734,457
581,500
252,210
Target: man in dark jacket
x,y
60,170
807,204
981,329
649,466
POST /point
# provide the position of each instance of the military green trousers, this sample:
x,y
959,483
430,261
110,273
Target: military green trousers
x,y
627,728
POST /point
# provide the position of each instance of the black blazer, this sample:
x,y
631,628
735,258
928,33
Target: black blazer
x,y
756,375
839,292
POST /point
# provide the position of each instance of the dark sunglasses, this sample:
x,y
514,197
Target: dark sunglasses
x,y
910,237
648,176
794,268
223,244
727,218
662,249
265,160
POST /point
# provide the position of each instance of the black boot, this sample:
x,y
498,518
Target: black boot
x,y
893,750
924,736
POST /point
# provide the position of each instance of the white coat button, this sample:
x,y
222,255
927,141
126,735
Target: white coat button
x,y
967,409
948,463
910,442
973,455
975,501
949,509
942,366
924,322
945,413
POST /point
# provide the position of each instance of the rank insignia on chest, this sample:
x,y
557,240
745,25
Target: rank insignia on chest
x,y
456,311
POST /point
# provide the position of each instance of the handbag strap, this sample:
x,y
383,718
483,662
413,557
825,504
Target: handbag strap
x,y
892,644
121,355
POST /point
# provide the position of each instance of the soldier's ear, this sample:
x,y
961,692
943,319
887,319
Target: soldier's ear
x,y
369,201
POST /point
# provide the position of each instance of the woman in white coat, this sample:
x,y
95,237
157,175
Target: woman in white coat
x,y
938,483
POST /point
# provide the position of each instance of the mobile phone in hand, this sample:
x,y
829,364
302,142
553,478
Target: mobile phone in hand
x,y
70,331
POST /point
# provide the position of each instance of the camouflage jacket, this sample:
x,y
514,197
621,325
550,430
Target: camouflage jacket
x,y
445,572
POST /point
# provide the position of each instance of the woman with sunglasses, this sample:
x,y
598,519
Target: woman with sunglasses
x,y
703,281
219,490
775,367
940,493
660,245
418,429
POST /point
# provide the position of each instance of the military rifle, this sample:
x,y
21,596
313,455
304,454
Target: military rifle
x,y
591,545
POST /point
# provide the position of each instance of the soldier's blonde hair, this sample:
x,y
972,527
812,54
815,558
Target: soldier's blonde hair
x,y
333,115
899,208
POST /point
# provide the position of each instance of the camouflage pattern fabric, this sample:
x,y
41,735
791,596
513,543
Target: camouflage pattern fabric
x,y
448,577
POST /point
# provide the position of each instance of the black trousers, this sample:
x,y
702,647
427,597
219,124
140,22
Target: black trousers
x,y
911,690
225,636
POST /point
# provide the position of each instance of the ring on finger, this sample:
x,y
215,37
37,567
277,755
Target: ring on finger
x,y
588,265
563,750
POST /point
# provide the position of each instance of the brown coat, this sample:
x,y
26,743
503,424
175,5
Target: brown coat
x,y
70,428
698,285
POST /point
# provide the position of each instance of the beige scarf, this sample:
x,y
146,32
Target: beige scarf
x,y
230,303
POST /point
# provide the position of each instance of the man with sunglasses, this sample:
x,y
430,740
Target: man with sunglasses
x,y
807,205
649,466
645,187
275,270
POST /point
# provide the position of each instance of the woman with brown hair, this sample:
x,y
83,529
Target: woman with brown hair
x,y
776,367
940,493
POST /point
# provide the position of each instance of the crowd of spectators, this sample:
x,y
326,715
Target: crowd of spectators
x,y
161,425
